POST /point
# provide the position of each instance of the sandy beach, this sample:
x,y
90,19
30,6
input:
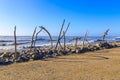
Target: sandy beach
x,y
97,65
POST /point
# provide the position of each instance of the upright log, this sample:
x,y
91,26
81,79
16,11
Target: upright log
x,y
76,42
85,39
64,40
15,42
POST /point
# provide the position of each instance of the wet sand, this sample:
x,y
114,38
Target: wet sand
x,y
98,65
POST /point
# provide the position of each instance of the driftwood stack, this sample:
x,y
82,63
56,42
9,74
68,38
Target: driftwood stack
x,y
34,53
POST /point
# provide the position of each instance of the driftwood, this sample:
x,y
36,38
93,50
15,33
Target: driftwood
x,y
65,31
58,41
36,36
85,39
42,28
76,42
15,42
64,40
33,38
105,33
61,36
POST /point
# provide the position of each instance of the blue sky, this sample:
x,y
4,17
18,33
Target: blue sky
x,y
94,16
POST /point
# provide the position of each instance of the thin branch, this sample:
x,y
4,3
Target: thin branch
x,y
65,31
105,33
60,34
85,39
36,36
33,38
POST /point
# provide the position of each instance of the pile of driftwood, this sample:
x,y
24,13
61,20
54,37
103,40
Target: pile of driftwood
x,y
35,53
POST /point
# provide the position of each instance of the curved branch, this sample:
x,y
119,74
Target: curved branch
x,y
36,36
48,35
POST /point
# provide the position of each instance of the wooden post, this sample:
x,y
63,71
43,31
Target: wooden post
x,y
15,43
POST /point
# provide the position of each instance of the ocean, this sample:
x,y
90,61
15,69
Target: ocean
x,y
25,41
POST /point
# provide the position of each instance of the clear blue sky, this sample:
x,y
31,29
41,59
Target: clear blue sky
x,y
93,15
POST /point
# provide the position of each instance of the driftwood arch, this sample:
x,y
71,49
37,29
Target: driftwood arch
x,y
43,28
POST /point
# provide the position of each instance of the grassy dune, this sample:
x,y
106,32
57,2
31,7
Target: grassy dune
x,y
98,65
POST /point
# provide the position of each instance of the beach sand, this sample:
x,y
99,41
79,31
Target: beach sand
x,y
98,65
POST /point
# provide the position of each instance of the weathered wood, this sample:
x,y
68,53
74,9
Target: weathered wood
x,y
15,44
48,35
105,33
58,41
76,42
36,36
63,35
33,38
65,31
64,40
85,39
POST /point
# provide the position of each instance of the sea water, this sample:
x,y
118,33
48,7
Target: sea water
x,y
25,41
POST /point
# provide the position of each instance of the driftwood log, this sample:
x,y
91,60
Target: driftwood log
x,y
32,41
61,36
85,39
105,33
43,28
64,40
15,44
36,36
58,41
